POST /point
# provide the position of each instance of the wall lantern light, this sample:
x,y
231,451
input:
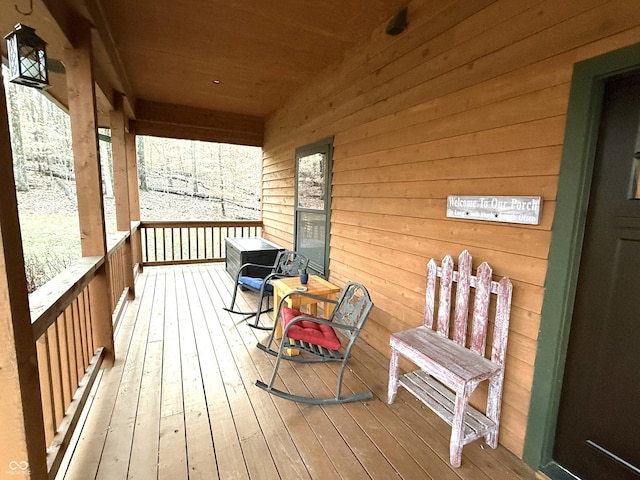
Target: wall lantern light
x,y
27,58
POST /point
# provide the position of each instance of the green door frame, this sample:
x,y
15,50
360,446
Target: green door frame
x,y
583,117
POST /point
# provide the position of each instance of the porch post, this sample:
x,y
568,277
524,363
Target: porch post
x,y
84,134
22,444
121,183
134,195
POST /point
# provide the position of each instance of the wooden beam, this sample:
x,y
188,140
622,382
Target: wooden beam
x,y
103,87
84,134
160,119
134,197
64,17
67,19
200,117
121,184
194,133
120,165
22,444
104,32
132,163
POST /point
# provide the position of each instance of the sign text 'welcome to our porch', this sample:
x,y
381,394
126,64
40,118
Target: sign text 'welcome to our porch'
x,y
524,210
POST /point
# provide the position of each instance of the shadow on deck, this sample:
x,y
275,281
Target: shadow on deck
x,y
181,403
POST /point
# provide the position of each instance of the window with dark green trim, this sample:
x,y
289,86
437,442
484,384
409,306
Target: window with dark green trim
x,y
313,203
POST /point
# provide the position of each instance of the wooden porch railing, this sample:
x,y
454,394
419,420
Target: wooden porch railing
x,y
68,357
120,263
61,311
172,243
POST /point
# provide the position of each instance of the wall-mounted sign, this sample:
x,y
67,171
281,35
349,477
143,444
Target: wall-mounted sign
x,y
524,210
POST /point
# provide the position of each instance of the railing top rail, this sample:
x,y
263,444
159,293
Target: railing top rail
x,y
51,299
115,240
199,223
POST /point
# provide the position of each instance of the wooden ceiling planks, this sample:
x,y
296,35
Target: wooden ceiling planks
x,y
240,58
259,51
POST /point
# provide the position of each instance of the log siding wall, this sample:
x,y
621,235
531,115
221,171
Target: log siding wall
x,y
471,99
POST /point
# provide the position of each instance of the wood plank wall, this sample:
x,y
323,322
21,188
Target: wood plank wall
x,y
470,100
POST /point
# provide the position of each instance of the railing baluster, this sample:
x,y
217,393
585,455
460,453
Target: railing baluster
x,y
70,352
56,373
198,241
146,247
197,229
46,388
149,232
77,334
189,242
90,340
112,276
155,244
143,244
214,244
164,244
65,368
118,279
173,243
82,327
77,342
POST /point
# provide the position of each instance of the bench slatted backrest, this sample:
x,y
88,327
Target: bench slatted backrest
x,y
484,288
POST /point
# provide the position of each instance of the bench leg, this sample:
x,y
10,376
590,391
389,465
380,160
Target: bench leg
x,y
393,376
494,399
457,429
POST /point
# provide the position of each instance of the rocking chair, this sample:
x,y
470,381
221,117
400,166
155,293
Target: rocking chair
x,y
316,336
287,264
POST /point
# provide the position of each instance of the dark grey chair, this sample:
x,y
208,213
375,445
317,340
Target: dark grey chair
x,y
287,264
316,338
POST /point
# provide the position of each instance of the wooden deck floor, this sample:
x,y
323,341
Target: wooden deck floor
x,y
181,403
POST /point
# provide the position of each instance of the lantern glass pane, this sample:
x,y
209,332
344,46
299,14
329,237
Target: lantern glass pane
x,y
12,53
32,63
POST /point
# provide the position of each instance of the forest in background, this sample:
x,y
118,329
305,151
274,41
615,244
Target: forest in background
x,y
179,180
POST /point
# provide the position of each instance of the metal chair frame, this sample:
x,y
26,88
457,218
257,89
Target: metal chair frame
x,y
348,317
287,264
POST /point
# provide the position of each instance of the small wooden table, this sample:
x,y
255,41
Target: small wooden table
x,y
315,286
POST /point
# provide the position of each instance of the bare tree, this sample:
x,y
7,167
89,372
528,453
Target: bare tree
x,y
19,164
194,169
142,166
221,181
106,161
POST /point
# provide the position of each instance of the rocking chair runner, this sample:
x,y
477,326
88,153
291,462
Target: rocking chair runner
x,y
287,264
317,336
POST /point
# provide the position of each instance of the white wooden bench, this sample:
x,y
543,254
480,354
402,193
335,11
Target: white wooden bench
x,y
451,363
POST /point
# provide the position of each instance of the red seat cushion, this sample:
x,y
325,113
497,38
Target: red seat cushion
x,y
308,331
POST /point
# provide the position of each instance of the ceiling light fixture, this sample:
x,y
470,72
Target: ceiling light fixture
x,y
398,23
